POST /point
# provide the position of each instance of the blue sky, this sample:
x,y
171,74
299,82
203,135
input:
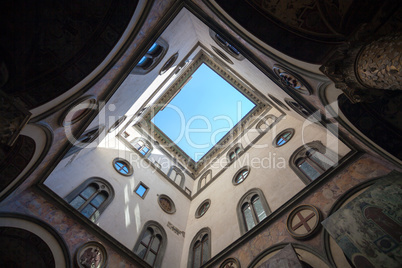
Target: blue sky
x,y
205,109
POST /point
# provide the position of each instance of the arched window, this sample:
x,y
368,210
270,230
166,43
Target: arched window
x,y
176,175
152,57
200,249
235,152
205,178
91,197
311,160
142,146
151,244
266,123
252,209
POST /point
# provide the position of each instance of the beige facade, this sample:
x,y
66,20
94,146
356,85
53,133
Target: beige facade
x,y
72,175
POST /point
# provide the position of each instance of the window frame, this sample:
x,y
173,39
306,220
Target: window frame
x,y
178,172
264,120
169,63
280,135
138,186
220,40
173,206
199,238
301,154
154,59
234,151
117,123
197,211
247,199
207,174
103,186
240,173
146,144
157,230
283,75
126,163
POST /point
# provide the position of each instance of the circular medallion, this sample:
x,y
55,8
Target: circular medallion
x,y
91,255
303,221
166,204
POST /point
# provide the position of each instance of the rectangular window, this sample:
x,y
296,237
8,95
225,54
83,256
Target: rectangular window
x,y
188,191
141,190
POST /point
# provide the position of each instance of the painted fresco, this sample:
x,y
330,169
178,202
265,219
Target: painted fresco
x,y
285,258
369,228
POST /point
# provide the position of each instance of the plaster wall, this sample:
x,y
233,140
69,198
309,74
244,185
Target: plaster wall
x,y
126,214
269,171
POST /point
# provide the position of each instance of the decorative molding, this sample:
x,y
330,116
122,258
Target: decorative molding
x,y
303,221
91,254
225,72
291,80
82,106
364,70
175,229
166,204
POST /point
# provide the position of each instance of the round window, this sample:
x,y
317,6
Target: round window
x,y
202,209
241,176
291,80
166,204
283,137
117,123
169,63
277,101
123,166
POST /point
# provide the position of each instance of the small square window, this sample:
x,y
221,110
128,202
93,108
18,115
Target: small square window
x,y
141,190
188,191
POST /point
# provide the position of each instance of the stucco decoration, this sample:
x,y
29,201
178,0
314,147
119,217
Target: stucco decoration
x,y
364,70
379,64
166,204
303,221
369,228
175,229
91,255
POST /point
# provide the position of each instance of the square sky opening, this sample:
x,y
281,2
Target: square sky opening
x,y
202,113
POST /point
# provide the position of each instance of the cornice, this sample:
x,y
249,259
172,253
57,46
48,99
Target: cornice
x,y
226,73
